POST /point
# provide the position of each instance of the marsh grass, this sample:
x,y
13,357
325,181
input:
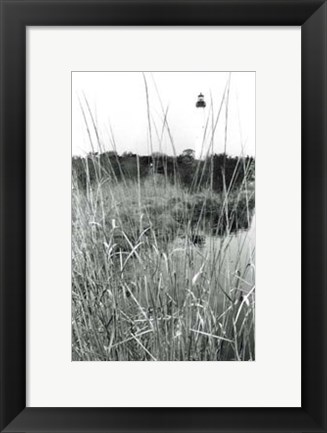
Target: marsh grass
x,y
144,286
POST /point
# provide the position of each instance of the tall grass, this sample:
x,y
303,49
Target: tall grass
x,y
158,271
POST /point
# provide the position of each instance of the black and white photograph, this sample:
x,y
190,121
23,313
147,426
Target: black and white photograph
x,y
163,216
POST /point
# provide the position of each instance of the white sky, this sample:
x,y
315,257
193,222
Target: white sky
x,y
118,100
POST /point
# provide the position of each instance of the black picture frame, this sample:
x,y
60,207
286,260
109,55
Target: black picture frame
x,y
16,15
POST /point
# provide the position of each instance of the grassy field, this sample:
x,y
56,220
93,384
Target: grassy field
x,y
146,285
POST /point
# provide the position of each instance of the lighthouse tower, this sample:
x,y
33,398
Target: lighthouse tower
x,y
200,122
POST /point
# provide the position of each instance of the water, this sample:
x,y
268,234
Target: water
x,y
235,256
226,263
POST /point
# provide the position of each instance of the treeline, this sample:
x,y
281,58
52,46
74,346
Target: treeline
x,y
213,171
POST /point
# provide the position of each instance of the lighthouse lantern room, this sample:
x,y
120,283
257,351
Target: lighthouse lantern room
x,y
200,103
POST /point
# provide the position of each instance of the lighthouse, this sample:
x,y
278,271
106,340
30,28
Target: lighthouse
x,y
200,103
200,106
